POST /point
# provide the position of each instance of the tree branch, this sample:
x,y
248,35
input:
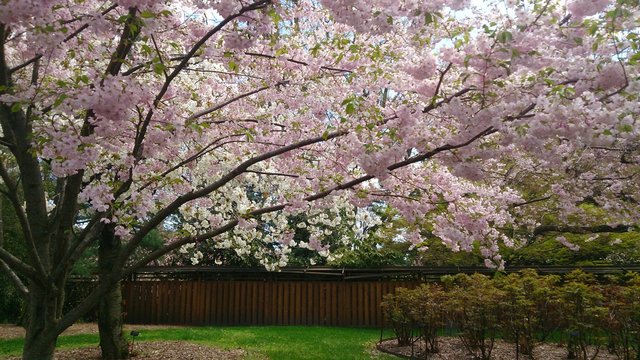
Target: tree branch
x,y
19,266
230,101
22,289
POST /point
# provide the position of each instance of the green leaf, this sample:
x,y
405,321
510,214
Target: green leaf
x,y
146,49
233,66
428,18
315,50
350,109
158,68
147,14
504,37
16,107
59,100
282,51
626,128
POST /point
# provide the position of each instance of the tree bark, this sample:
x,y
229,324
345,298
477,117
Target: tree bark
x,y
110,318
41,336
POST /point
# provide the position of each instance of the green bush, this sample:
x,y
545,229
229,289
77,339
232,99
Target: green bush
x,y
529,309
623,320
397,311
474,305
428,313
583,315
524,308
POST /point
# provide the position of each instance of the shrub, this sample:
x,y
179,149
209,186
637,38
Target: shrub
x,y
583,315
529,309
397,311
474,306
623,321
428,313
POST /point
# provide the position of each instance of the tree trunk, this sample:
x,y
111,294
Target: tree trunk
x,y
40,339
112,342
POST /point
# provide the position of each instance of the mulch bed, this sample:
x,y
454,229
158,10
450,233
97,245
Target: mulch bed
x,y
451,348
143,350
8,331
154,350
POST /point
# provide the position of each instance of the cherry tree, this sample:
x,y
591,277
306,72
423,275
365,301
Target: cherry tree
x,y
129,114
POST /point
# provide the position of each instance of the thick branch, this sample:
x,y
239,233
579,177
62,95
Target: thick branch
x,y
22,289
12,196
19,266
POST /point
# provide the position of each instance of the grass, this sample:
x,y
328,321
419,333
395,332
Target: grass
x,y
263,342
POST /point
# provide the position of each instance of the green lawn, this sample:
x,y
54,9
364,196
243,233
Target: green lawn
x,y
270,342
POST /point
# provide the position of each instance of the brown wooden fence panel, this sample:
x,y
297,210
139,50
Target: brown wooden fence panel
x,y
257,302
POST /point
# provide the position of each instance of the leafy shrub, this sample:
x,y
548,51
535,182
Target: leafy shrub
x,y
475,307
623,320
583,315
397,311
428,313
524,308
529,309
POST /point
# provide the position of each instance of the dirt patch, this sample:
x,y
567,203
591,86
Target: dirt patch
x,y
451,348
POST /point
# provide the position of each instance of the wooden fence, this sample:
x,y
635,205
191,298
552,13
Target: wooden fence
x,y
293,296
251,302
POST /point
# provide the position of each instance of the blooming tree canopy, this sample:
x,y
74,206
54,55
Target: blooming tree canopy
x,y
477,117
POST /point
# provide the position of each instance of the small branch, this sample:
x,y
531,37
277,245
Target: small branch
x,y
544,9
138,143
564,20
237,171
268,173
440,80
531,201
299,62
133,69
447,99
164,67
230,101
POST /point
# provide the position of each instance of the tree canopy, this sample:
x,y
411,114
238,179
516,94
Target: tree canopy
x,y
220,119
